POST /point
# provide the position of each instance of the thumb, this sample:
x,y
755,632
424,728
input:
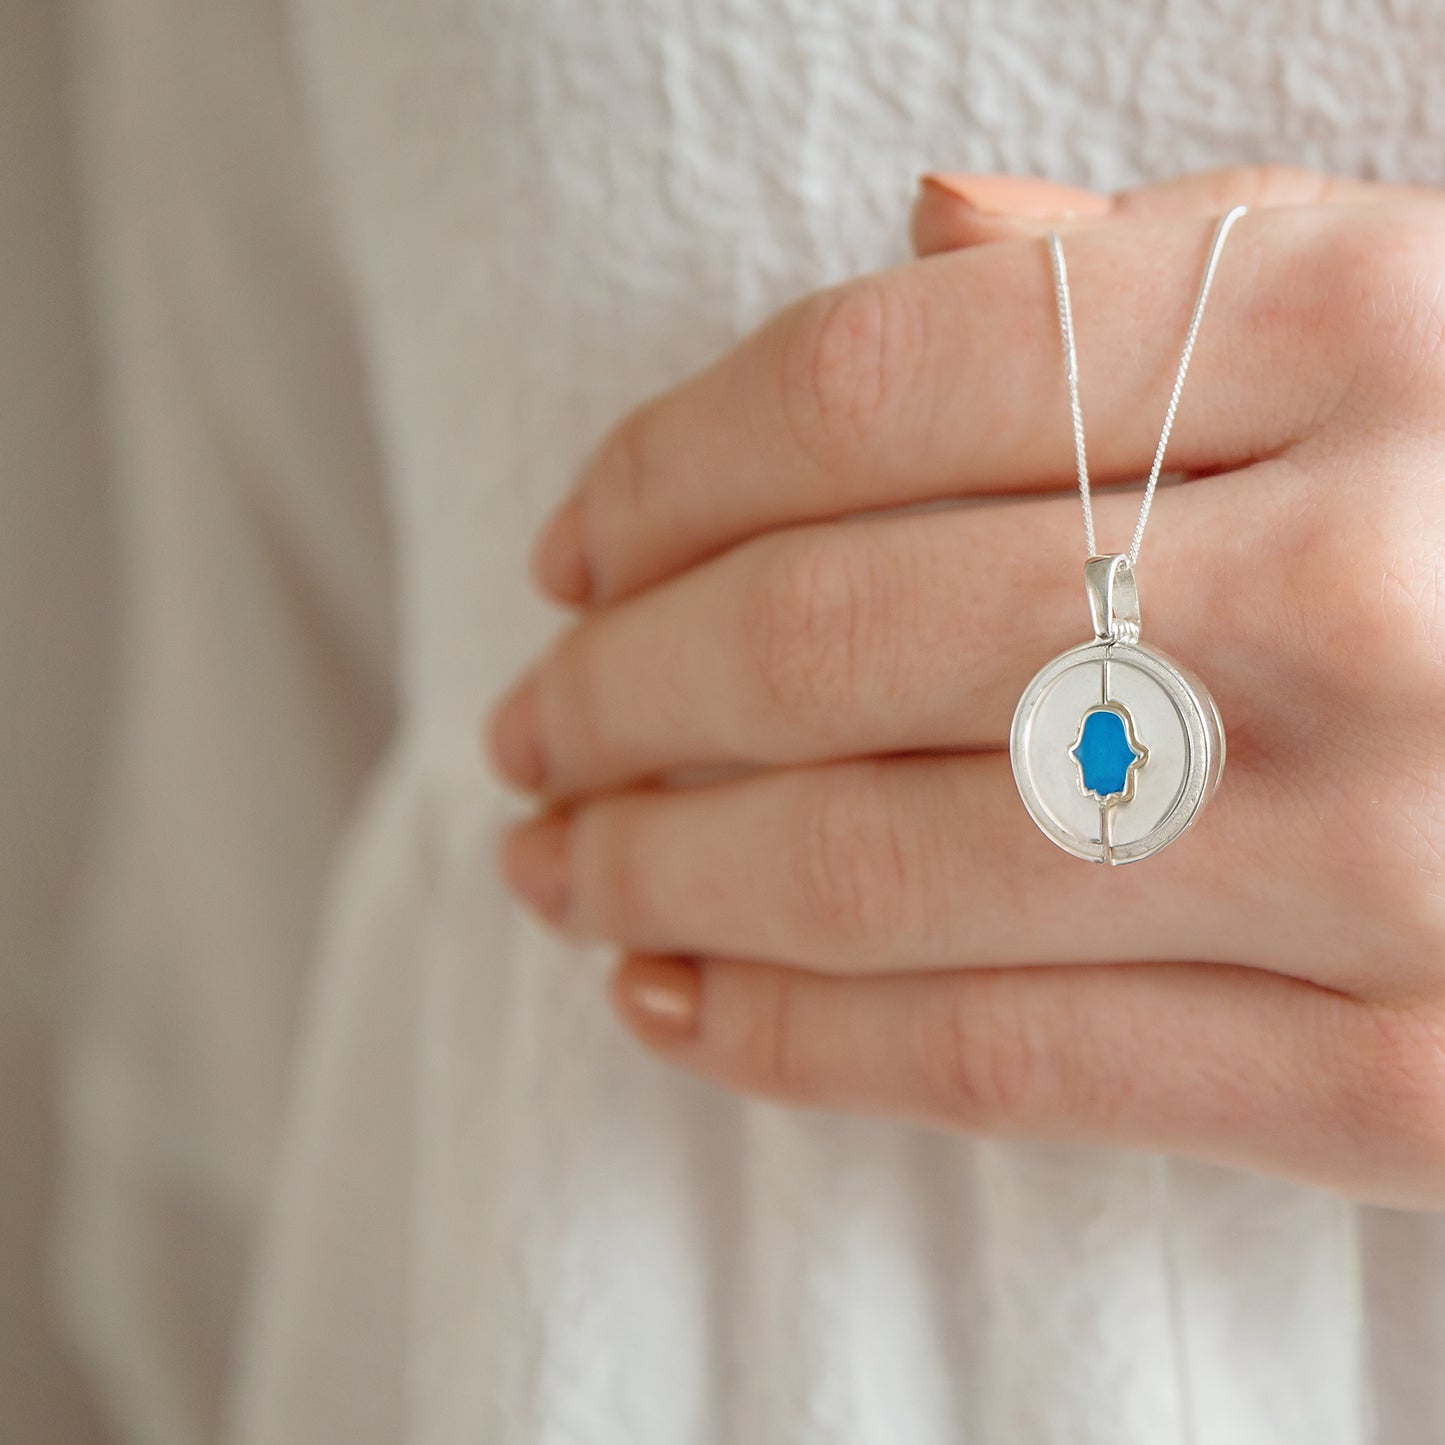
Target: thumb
x,y
953,211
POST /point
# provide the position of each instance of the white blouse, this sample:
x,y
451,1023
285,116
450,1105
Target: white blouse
x,y
355,1154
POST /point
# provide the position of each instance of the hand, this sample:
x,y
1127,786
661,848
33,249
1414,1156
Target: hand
x,y
773,743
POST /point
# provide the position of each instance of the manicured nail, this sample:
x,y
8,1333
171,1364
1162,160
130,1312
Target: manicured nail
x,y
535,866
1025,197
659,998
516,737
559,563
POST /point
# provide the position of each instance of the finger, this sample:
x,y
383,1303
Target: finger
x,y
953,211
1225,1064
893,634
909,863
944,378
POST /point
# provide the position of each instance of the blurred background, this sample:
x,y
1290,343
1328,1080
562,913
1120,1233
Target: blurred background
x,y
52,682
308,314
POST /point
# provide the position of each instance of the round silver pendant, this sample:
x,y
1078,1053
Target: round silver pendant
x,y
1115,747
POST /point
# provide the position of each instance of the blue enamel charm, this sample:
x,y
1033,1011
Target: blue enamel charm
x,y
1108,753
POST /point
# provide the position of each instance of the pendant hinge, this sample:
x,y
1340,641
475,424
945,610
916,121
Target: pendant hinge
x,y
1113,598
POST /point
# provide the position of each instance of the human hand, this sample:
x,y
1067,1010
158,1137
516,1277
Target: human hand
x,y
773,743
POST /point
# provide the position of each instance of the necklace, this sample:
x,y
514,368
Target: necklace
x,y
1116,748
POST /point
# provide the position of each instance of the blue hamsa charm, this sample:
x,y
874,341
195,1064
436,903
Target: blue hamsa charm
x,y
1115,747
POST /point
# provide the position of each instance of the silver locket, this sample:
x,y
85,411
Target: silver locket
x,y
1116,748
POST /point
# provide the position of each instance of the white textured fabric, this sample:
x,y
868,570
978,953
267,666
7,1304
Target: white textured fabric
x,y
358,1157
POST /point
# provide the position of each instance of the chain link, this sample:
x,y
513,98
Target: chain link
x,y
1071,373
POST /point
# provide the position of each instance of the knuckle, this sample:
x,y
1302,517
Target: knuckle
x,y
984,1061
854,862
577,724
806,630
853,355
776,1058
1269,183
1378,847
1015,1054
622,476
1405,857
1362,588
613,887
1405,885
1357,614
1381,279
1264,184
1397,1092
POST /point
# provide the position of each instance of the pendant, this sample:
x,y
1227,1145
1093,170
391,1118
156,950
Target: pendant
x,y
1116,748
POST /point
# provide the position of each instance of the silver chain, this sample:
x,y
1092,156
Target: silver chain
x,y
1071,372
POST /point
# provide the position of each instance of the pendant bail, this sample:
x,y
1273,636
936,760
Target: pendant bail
x,y
1113,598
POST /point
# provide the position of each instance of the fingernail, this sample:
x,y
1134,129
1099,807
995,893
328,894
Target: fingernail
x,y
660,998
516,737
534,865
559,562
1020,196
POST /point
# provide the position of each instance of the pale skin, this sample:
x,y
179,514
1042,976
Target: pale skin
x,y
771,748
